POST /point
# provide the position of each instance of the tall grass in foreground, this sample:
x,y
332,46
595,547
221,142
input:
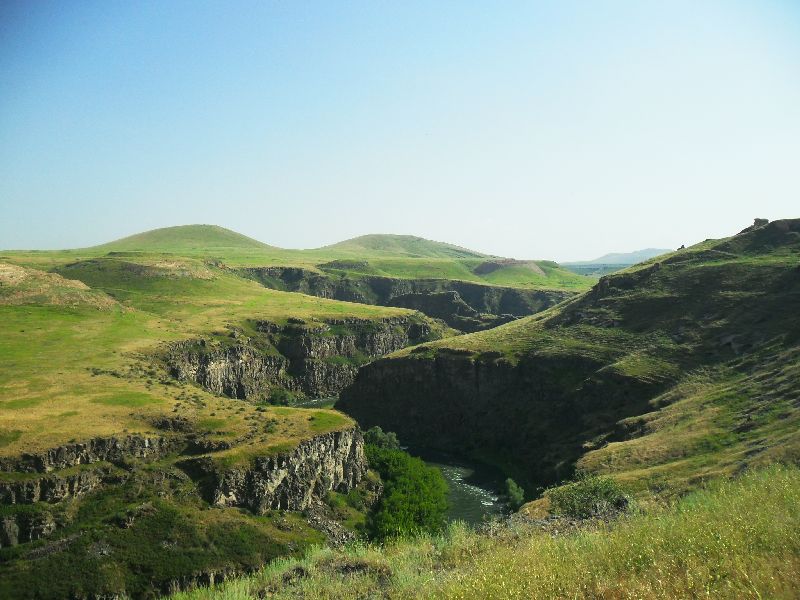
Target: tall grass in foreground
x,y
736,539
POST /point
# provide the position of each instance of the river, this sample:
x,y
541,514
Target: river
x,y
474,489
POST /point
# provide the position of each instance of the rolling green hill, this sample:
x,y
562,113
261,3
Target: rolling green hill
x,y
183,239
394,256
399,245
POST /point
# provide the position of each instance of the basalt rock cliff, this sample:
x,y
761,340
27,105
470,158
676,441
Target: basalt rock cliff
x,y
312,360
291,480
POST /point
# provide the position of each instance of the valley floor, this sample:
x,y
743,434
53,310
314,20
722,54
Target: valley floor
x,y
735,539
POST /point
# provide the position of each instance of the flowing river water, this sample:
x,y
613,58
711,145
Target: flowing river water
x,y
474,489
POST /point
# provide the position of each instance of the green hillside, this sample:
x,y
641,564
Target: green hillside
x,y
182,239
108,458
676,370
373,269
399,245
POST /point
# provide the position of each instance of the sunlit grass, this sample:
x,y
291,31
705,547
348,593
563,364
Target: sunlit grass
x,y
736,539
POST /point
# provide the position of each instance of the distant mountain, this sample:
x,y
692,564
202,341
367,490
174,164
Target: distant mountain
x,y
402,245
623,258
183,238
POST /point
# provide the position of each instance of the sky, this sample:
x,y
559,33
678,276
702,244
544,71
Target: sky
x,y
557,130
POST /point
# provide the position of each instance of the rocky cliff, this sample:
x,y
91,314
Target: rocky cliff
x,y
290,480
25,527
480,299
526,416
111,449
309,359
55,487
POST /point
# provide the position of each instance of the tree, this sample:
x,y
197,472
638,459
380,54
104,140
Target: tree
x,y
414,495
375,436
515,494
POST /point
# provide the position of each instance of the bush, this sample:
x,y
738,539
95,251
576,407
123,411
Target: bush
x,y
589,496
281,397
376,437
514,494
414,495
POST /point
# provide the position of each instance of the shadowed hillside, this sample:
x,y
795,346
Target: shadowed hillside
x,y
674,370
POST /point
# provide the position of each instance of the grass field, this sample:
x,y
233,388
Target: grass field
x,y
736,539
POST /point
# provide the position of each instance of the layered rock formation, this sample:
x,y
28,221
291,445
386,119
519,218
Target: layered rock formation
x,y
111,449
313,360
290,480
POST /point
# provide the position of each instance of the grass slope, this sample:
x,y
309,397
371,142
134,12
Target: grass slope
x,y
183,239
79,361
735,539
400,245
75,367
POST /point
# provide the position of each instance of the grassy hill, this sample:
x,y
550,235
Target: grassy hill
x,y
372,269
400,245
82,367
683,368
183,239
69,335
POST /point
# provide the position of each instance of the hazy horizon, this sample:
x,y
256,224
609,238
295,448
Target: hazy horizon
x,y
545,130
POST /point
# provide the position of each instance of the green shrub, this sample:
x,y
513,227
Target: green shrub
x,y
589,496
281,397
414,495
375,436
515,494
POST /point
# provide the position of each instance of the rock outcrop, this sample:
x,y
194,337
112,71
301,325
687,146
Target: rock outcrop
x,y
53,487
25,527
529,413
291,480
313,360
110,449
450,308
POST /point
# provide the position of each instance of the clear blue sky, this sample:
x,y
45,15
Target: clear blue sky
x,y
535,129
